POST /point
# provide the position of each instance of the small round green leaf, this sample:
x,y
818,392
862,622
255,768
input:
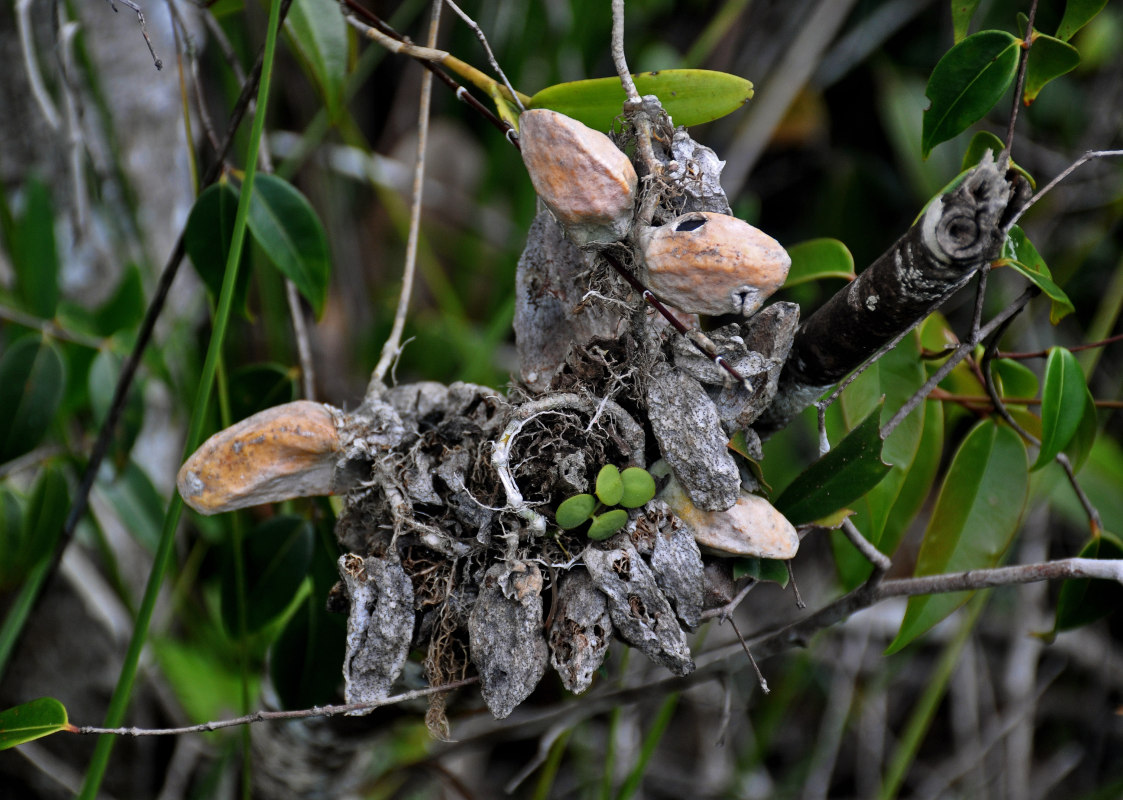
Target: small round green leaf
x,y
29,721
610,487
606,524
575,511
639,487
966,84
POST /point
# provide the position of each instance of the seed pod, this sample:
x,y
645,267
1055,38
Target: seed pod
x,y
752,527
706,263
581,176
283,452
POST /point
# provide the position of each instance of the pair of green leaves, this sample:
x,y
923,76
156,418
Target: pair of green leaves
x,y
974,75
281,221
632,488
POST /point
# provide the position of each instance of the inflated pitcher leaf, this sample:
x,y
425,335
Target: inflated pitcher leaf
x,y
1019,254
839,478
275,561
286,227
975,518
1062,403
319,34
1084,601
966,83
32,383
1049,59
207,236
961,13
1078,13
33,720
816,259
690,96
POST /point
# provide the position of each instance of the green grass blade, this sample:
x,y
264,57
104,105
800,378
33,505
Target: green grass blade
x,y
121,694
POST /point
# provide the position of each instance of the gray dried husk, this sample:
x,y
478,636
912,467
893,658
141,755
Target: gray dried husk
x,y
430,505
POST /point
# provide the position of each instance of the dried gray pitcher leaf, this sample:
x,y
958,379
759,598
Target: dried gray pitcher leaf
x,y
691,438
640,612
580,632
677,563
379,626
505,635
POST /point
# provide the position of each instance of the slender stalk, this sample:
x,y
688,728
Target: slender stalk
x,y
121,694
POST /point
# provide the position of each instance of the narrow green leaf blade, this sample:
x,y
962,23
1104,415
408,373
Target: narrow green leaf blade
x,y
839,478
974,522
1078,13
286,227
319,33
30,721
1062,403
1020,254
966,83
32,384
961,13
816,259
1084,601
690,96
1049,59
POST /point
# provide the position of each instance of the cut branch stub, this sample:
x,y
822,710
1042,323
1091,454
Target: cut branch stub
x,y
581,176
283,452
505,635
379,626
959,232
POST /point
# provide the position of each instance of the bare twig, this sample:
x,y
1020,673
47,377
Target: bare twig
x,y
303,344
1023,61
1045,353
471,23
1088,156
880,561
618,58
31,66
265,716
756,667
393,342
143,29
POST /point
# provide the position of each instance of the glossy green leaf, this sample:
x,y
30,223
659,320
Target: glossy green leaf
x,y
575,511
207,237
34,252
839,478
286,227
961,13
30,721
1084,601
33,538
125,309
610,486
1080,446
975,518
1049,59
304,661
690,96
203,677
256,387
639,487
966,84
1015,379
319,32
1078,13
606,524
1020,254
816,259
762,569
277,555
1062,403
32,384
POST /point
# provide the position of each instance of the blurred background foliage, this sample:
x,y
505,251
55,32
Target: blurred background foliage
x,y
830,146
